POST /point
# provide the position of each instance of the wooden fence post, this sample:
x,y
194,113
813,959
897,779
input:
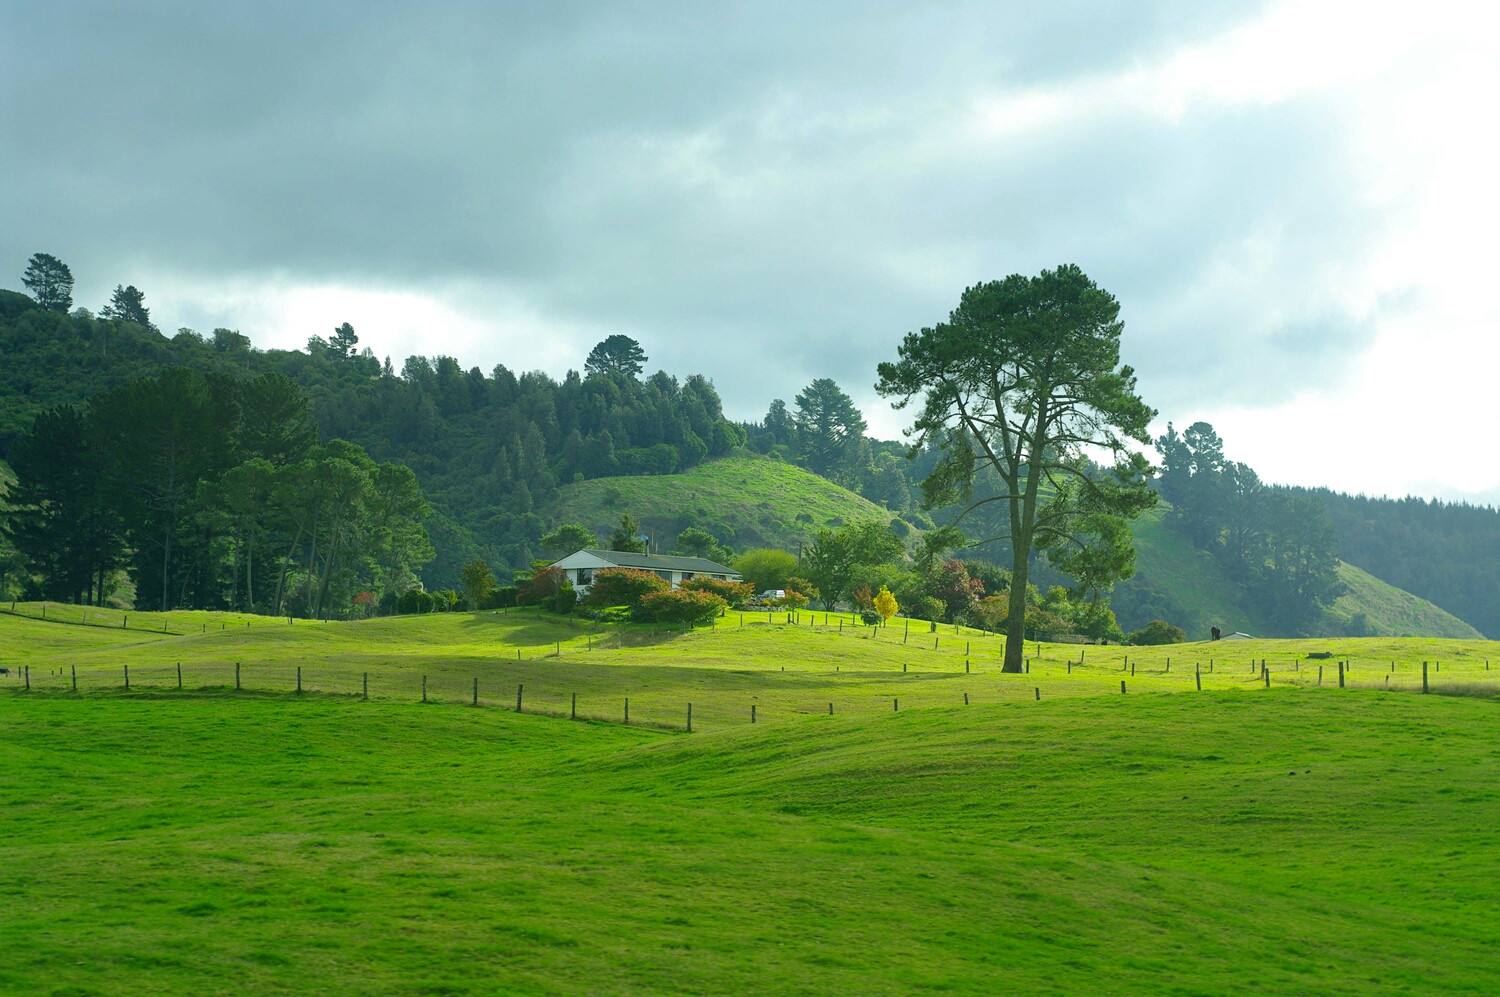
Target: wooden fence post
x,y
75,677
573,711
1122,687
1424,677
28,678
476,690
424,688
1341,674
518,698
966,666
830,709
690,718
627,711
1038,691
127,677
236,676
1320,675
1266,674
365,685
299,678
1197,677
895,705
966,699
752,713
179,675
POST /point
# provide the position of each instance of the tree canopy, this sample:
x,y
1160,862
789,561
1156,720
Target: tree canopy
x,y
616,354
128,304
50,282
1024,381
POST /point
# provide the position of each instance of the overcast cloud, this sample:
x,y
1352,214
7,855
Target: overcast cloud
x,y
1294,203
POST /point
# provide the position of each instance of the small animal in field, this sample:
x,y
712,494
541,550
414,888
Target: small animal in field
x,y
4,671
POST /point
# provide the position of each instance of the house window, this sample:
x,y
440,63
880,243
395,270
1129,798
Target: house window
x,y
686,575
585,576
664,574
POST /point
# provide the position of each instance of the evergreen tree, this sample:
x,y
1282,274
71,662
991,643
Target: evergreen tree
x,y
128,304
626,536
50,282
616,354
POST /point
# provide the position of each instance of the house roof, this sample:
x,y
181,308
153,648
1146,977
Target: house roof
x,y
659,562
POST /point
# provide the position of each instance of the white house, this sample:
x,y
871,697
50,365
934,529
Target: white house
x,y
579,567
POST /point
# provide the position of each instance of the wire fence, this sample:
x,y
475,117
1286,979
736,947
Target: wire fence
x,y
672,697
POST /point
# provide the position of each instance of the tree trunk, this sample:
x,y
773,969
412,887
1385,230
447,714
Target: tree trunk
x,y
1023,528
166,563
1015,626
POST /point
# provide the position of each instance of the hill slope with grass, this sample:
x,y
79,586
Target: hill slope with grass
x,y
745,501
755,501
1200,594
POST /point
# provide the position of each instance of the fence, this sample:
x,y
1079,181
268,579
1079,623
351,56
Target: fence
x,y
677,698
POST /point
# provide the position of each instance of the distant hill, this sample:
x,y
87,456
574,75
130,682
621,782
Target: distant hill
x,y
1189,587
745,501
758,501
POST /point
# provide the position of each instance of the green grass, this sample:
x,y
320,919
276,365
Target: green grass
x,y
786,670
1294,840
749,501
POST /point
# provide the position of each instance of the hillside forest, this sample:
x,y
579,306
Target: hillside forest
x,y
195,469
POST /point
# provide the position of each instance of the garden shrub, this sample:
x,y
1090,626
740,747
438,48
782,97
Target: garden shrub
x,y
624,586
566,598
1158,632
736,594
681,606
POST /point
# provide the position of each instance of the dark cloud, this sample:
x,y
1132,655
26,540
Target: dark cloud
x,y
764,193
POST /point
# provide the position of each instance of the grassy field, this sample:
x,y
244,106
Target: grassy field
x,y
784,666
1289,841
1290,838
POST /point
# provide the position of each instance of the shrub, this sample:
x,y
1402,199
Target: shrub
x,y
863,599
624,586
501,598
766,568
414,601
803,587
869,617
736,594
792,599
992,612
541,588
1158,632
566,598
929,608
681,606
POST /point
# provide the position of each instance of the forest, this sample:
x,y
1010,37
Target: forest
x,y
488,451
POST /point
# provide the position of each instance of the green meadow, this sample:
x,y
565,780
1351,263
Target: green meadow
x,y
1289,837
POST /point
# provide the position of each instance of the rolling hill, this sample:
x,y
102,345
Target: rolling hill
x,y
744,501
1200,594
758,501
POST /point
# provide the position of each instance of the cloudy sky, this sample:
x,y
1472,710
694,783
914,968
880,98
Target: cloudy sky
x,y
1295,203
